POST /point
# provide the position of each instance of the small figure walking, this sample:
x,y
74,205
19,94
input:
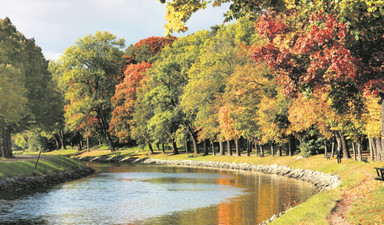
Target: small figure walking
x,y
339,155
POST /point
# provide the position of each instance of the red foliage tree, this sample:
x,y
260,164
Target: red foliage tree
x,y
125,98
317,56
146,49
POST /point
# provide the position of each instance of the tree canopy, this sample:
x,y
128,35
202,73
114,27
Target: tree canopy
x,y
91,68
284,73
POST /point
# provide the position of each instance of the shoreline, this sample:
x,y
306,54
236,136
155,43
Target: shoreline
x,y
16,184
320,180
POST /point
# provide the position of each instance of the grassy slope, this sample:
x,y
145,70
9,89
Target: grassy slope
x,y
45,166
356,176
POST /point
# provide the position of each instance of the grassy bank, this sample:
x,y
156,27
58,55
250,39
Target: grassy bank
x,y
45,166
359,190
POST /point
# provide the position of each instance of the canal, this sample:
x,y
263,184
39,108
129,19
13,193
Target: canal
x,y
153,194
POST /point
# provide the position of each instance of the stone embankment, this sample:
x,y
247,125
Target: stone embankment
x,y
321,181
11,184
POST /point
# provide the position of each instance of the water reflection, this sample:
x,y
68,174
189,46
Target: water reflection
x,y
125,194
263,196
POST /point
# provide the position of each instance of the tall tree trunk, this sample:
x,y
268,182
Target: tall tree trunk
x,y
229,147
338,140
105,126
381,139
382,123
205,147
378,149
79,147
150,147
249,147
213,148
57,143
3,143
359,149
375,152
354,150
221,148
158,147
110,142
193,138
374,149
175,151
88,148
261,150
61,137
325,148
237,147
292,144
382,148
371,149
6,143
344,146
279,152
333,147
162,145
187,146
272,152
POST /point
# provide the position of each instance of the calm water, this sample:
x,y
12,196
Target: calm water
x,y
143,194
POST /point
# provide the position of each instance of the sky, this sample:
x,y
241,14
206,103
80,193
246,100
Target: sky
x,y
57,24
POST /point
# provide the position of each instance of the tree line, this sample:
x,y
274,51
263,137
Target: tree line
x,y
287,75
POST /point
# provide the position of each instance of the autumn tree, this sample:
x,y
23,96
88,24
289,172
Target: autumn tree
x,y
146,49
124,100
372,125
178,12
90,71
208,77
125,97
244,91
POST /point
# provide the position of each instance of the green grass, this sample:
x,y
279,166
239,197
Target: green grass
x,y
66,152
61,152
45,166
368,207
314,211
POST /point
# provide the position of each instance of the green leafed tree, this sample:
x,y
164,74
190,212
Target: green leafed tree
x,y
167,80
208,78
91,68
26,89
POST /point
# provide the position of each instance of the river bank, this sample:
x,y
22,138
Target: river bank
x,y
19,175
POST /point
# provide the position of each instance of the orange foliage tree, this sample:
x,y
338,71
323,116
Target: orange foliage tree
x,y
124,100
146,49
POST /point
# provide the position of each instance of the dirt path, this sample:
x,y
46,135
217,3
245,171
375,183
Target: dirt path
x,y
342,207
25,157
